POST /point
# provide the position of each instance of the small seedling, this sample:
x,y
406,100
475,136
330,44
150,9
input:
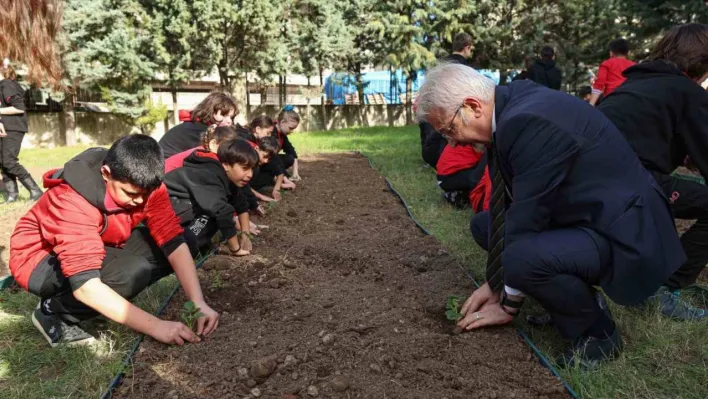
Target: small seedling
x,y
189,314
217,283
452,308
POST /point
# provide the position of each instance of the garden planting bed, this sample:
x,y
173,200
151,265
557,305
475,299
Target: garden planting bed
x,y
345,298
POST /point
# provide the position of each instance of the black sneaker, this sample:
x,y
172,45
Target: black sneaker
x,y
56,331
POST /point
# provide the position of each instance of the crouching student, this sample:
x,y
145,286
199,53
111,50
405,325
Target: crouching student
x,y
463,176
287,121
269,172
203,197
75,250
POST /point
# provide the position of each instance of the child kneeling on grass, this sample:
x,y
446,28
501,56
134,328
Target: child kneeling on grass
x,y
203,197
79,250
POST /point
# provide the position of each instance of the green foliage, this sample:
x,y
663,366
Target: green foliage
x,y
189,314
452,308
153,114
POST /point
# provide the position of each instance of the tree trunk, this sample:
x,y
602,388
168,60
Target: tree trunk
x,y
322,102
175,107
70,138
409,88
248,100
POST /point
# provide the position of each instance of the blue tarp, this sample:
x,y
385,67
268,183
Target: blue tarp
x,y
339,84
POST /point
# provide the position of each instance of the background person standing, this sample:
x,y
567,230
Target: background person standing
x,y
14,127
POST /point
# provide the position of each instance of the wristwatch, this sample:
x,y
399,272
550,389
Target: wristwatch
x,y
508,302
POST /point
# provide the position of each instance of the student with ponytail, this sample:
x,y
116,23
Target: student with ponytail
x,y
286,122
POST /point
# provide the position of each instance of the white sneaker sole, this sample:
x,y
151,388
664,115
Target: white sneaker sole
x,y
83,342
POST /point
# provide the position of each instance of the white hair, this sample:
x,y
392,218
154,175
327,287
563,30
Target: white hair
x,y
447,85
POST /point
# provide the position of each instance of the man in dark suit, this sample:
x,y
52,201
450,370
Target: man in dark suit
x,y
432,143
571,208
544,71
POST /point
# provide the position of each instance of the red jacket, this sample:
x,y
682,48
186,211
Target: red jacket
x,y
177,160
609,76
76,218
461,157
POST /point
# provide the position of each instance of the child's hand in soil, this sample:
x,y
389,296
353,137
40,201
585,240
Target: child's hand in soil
x,y
276,195
260,210
173,333
295,177
245,242
207,323
254,228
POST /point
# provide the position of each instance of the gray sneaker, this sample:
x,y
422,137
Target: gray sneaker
x,y
672,306
57,332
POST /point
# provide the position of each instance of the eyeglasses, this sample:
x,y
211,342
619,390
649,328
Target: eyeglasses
x,y
447,130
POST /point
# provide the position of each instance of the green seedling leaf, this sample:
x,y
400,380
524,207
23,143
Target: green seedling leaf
x,y
452,307
189,314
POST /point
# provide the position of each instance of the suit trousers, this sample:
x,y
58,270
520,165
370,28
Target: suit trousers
x,y
558,268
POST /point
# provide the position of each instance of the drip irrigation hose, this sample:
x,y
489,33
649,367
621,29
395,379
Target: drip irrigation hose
x,y
118,378
541,357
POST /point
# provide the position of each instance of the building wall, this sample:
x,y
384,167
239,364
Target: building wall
x,y
94,128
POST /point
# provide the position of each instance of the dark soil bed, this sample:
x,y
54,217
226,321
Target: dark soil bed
x,y
345,299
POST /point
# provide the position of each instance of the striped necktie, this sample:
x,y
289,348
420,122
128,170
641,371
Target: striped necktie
x,y
495,271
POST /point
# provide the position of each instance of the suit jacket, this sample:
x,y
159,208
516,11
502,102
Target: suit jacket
x,y
566,166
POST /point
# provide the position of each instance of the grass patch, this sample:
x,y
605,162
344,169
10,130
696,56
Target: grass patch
x,y
662,359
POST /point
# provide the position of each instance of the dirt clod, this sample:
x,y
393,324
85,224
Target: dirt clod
x,y
313,391
262,368
256,392
328,339
339,383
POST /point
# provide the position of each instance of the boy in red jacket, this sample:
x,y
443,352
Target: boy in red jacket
x,y
609,76
78,248
464,178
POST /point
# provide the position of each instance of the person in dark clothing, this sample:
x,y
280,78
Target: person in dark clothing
x,y
662,111
202,196
13,126
544,71
216,109
285,123
268,174
83,251
431,142
562,219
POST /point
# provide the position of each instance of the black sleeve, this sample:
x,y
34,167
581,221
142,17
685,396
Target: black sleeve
x,y
13,95
464,180
288,147
239,199
250,197
213,198
694,131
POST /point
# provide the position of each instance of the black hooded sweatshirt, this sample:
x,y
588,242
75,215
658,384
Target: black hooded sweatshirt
x,y
202,188
663,114
546,73
183,137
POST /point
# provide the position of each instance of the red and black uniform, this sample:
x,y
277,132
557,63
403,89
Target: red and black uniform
x,y
183,137
462,171
204,198
289,155
609,75
76,232
263,175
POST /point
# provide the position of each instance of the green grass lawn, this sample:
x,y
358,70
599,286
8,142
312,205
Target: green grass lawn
x,y
663,359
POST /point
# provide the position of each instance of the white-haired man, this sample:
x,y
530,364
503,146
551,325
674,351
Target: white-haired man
x,y
571,208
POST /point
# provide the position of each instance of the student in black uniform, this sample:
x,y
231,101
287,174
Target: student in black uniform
x,y
662,111
13,126
203,198
269,172
216,109
285,123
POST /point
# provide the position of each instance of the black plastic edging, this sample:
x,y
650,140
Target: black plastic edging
x,y
118,378
541,357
